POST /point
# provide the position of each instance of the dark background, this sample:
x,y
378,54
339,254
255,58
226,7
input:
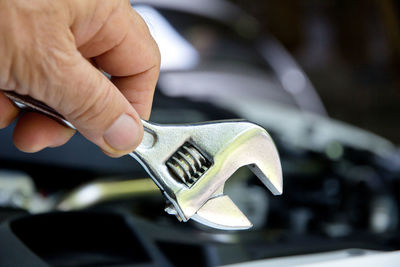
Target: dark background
x,y
349,49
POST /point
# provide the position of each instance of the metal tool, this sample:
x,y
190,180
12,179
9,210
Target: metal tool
x,y
190,163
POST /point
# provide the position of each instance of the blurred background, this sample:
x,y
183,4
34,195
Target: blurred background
x,y
321,76
350,50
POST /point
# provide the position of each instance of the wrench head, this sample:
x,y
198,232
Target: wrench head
x,y
195,188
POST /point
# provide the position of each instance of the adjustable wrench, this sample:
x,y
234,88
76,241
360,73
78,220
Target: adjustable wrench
x,y
190,163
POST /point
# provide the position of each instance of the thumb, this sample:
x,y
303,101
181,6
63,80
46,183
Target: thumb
x,y
98,110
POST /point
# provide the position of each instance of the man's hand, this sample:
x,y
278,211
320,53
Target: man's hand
x,y
52,50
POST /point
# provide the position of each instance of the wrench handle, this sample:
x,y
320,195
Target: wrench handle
x,y
27,102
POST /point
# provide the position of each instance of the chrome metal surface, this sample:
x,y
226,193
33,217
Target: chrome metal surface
x,y
190,163
26,102
229,146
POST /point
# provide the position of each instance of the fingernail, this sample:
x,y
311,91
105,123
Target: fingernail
x,y
123,134
62,137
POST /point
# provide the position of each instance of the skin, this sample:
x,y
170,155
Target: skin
x,y
53,50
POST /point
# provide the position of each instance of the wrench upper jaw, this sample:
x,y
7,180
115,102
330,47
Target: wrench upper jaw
x,y
264,161
275,188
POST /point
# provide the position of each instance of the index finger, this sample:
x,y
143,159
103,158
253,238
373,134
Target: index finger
x,y
134,62
8,112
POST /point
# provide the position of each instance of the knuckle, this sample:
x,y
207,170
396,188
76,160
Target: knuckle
x,y
93,109
35,51
157,55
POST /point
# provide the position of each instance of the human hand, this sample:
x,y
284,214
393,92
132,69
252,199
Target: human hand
x,y
52,50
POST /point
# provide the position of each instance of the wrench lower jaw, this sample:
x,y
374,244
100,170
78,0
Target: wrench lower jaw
x,y
221,213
